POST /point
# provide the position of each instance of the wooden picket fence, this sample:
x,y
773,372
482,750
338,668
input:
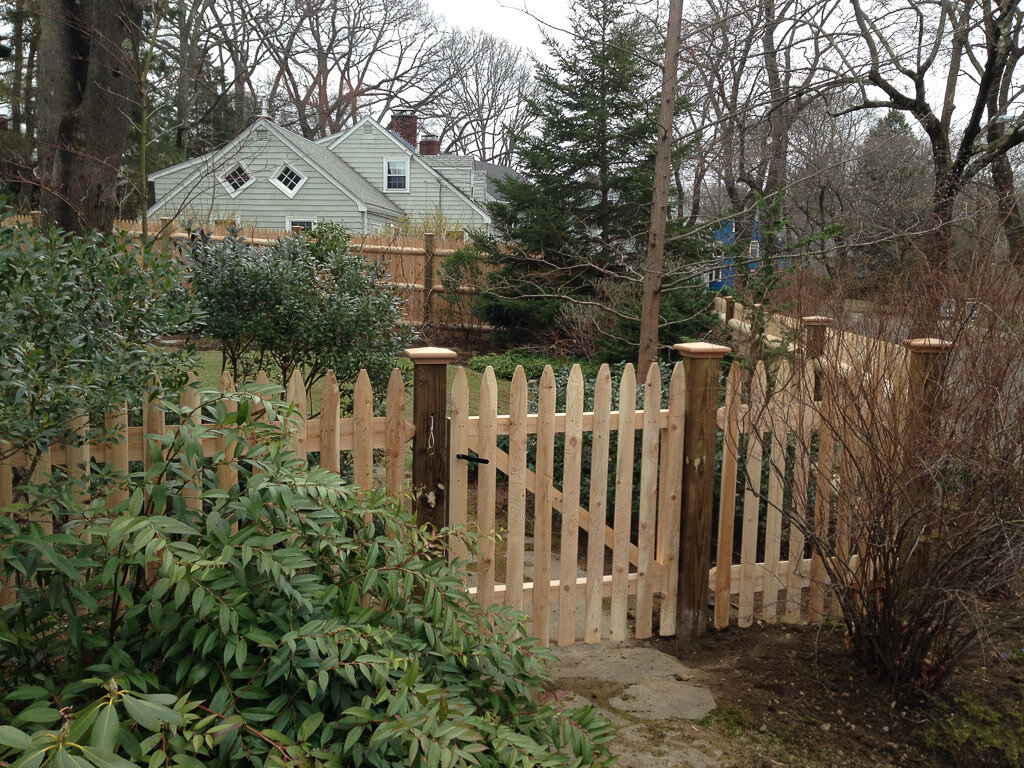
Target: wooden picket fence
x,y
331,434
636,523
636,556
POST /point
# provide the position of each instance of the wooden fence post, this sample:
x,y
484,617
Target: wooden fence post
x,y
927,362
730,308
815,328
701,364
428,274
430,443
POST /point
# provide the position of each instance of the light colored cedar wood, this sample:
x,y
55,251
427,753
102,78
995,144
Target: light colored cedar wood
x,y
192,491
330,413
777,404
117,452
542,503
458,476
362,415
78,460
727,497
801,480
571,465
394,440
822,506
584,514
485,485
623,502
598,505
752,494
647,514
295,393
516,471
669,500
227,470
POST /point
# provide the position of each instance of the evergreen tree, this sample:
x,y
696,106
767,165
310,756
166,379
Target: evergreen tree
x,y
581,207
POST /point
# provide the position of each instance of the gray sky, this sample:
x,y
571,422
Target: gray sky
x,y
504,18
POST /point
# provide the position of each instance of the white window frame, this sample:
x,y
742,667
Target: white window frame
x,y
408,166
282,187
223,179
290,221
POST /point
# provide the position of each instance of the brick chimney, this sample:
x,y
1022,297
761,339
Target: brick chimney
x,y
404,123
430,144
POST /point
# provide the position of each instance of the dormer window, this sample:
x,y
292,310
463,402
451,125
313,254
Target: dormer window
x,y
396,175
288,180
237,179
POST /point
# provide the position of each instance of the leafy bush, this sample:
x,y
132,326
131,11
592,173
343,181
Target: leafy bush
x,y
306,302
291,619
78,320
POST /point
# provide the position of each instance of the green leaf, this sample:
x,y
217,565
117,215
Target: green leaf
x,y
43,715
103,759
105,728
151,715
12,737
309,725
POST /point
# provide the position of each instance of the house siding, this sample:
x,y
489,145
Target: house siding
x,y
261,204
367,151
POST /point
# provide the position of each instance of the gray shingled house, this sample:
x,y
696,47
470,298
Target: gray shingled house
x,y
367,178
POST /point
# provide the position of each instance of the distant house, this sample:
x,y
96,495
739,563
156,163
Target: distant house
x,y
367,178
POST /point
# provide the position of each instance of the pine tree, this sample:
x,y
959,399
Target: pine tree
x,y
581,206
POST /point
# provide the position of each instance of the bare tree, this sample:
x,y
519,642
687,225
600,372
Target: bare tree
x,y
896,53
482,88
757,66
83,112
335,61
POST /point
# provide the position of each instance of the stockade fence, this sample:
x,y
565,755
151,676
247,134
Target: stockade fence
x,y
646,523
413,266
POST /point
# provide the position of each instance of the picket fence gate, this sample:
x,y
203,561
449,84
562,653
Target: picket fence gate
x,y
639,556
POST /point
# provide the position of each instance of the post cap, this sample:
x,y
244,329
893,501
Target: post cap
x,y
698,350
813,320
430,355
928,346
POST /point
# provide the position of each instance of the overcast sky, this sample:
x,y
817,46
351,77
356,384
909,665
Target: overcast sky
x,y
505,18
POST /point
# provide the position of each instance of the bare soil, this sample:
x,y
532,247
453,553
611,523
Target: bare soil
x,y
793,696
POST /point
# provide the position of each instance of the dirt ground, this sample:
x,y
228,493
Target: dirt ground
x,y
794,697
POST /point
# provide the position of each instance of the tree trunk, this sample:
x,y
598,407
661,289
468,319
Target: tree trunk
x,y
650,312
88,88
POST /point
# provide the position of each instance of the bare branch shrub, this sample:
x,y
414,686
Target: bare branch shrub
x,y
912,518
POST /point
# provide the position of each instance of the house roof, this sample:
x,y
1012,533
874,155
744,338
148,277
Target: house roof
x,y
495,173
331,167
331,142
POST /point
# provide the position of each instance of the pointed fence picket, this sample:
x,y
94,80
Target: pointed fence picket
x,y
124,447
779,473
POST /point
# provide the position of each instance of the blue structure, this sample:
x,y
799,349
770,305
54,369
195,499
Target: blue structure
x,y
724,274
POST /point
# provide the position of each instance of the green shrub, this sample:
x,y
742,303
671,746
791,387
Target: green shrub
x,y
290,619
79,318
306,302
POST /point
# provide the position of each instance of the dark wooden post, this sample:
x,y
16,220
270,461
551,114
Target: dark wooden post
x,y
428,274
430,444
730,308
701,363
815,328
